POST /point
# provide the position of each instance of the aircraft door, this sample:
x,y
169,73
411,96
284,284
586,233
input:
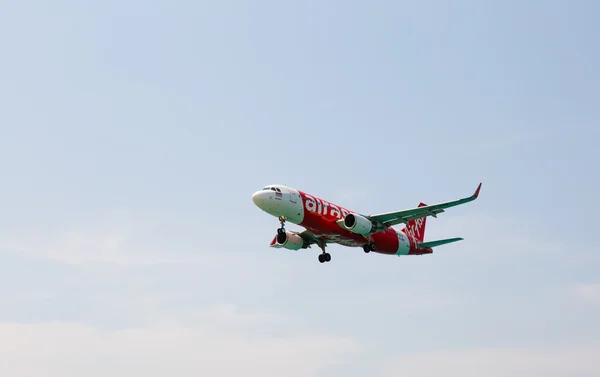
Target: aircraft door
x,y
293,196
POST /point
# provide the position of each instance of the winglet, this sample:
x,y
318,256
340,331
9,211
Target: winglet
x,y
477,191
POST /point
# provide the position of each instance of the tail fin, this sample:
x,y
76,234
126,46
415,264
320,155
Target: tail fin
x,y
416,228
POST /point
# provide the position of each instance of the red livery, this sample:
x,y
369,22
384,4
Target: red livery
x,y
326,222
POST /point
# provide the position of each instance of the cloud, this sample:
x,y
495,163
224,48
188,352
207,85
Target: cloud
x,y
229,313
70,349
214,340
80,247
123,326
588,293
114,237
523,362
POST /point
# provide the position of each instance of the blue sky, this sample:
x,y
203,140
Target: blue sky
x,y
132,135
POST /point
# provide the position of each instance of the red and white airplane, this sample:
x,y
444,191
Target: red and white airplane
x,y
326,223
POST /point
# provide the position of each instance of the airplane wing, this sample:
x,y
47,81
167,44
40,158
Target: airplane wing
x,y
309,238
385,220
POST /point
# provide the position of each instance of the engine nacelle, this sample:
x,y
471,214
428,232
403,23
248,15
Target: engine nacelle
x,y
290,241
358,224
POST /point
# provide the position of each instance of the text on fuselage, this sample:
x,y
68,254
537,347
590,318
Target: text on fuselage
x,y
324,208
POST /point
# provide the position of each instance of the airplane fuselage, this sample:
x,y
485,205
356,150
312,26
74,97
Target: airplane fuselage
x,y
320,218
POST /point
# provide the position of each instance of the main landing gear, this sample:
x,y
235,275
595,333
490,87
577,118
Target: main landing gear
x,y
369,247
324,257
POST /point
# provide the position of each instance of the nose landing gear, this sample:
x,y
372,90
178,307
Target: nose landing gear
x,y
282,221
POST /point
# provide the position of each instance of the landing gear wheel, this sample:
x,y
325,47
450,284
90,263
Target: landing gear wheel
x,y
282,229
369,247
325,257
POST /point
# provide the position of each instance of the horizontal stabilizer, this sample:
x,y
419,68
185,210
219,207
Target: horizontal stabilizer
x,y
423,245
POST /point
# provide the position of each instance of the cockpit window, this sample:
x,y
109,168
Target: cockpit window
x,y
276,189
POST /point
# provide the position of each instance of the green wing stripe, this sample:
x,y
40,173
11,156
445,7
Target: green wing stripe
x,y
439,242
393,218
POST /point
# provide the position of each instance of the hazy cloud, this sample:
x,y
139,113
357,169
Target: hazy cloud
x,y
71,349
582,361
589,293
111,239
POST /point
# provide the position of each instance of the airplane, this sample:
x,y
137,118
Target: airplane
x,y
328,223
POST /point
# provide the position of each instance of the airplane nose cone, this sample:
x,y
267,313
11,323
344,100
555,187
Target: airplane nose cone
x,y
264,200
255,197
259,199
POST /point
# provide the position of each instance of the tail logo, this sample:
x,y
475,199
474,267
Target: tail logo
x,y
413,229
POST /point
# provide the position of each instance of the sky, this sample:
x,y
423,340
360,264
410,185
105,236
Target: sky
x,y
133,134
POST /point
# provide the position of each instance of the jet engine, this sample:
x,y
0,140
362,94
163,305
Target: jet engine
x,y
290,241
357,223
